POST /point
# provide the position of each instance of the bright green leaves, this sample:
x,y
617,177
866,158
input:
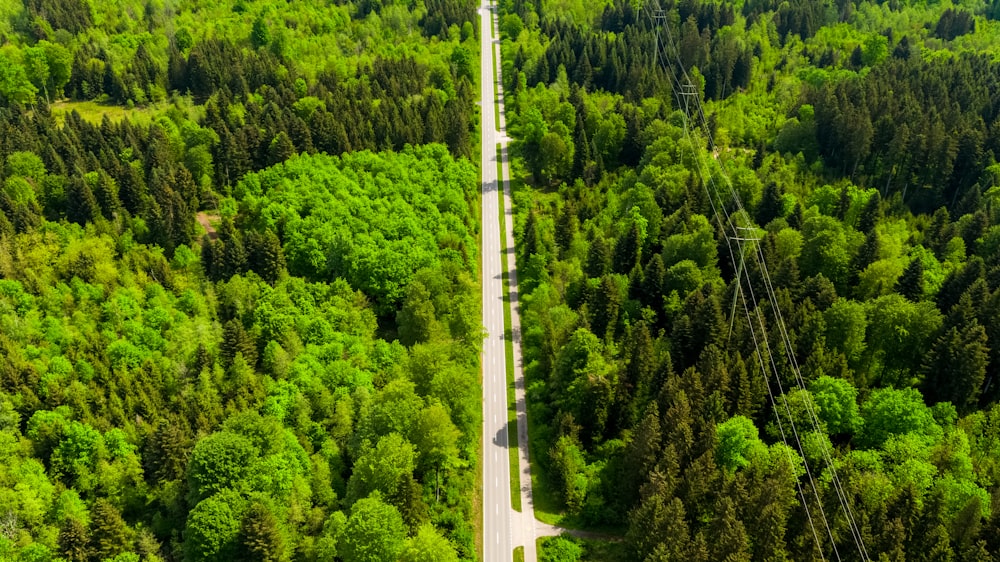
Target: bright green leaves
x,y
374,532
738,443
221,461
428,546
835,403
213,528
372,219
889,412
381,467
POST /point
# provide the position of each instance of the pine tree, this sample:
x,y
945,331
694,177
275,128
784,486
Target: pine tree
x,y
867,255
652,282
271,258
409,499
530,239
955,368
911,283
843,204
567,225
797,219
627,251
82,205
771,204
640,455
635,383
235,339
74,541
167,452
728,536
598,258
109,535
280,149
261,539
871,214
606,307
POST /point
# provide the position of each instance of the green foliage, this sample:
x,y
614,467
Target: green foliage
x,y
560,549
219,462
428,546
826,121
381,468
738,443
374,532
835,402
889,412
337,207
213,528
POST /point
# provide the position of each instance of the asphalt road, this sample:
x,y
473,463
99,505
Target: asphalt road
x,y
497,541
503,528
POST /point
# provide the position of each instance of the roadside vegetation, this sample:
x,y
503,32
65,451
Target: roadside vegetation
x,y
861,138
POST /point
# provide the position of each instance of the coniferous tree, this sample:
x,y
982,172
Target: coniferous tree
x,y
871,214
261,539
956,366
606,307
566,226
109,535
598,258
530,238
235,340
627,251
771,204
911,282
730,542
74,541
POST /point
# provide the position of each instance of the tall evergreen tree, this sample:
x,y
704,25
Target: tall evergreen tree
x,y
261,538
74,541
109,535
598,258
911,283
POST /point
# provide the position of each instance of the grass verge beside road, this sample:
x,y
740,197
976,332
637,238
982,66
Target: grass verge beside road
x,y
496,98
515,474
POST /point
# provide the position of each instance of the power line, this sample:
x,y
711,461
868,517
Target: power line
x,y
688,92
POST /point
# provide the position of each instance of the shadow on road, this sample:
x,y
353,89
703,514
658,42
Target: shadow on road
x,y
501,439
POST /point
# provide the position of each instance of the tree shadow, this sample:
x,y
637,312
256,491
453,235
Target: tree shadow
x,y
502,437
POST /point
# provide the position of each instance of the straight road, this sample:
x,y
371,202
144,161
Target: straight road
x,y
497,541
503,528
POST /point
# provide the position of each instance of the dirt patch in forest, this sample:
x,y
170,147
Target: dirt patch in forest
x,y
206,220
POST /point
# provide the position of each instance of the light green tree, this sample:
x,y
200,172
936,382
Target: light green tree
x,y
374,532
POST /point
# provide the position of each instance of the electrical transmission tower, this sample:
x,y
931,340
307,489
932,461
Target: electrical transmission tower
x,y
743,244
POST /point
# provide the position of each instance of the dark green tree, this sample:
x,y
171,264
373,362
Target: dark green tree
x,y
235,339
109,535
771,205
955,368
260,33
911,283
627,251
598,258
261,539
74,541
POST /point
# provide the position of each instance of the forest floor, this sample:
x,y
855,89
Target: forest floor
x,y
208,222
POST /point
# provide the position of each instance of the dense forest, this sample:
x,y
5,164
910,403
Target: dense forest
x,y
239,296
861,140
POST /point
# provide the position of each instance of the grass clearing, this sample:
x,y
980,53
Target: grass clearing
x,y
94,112
519,554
